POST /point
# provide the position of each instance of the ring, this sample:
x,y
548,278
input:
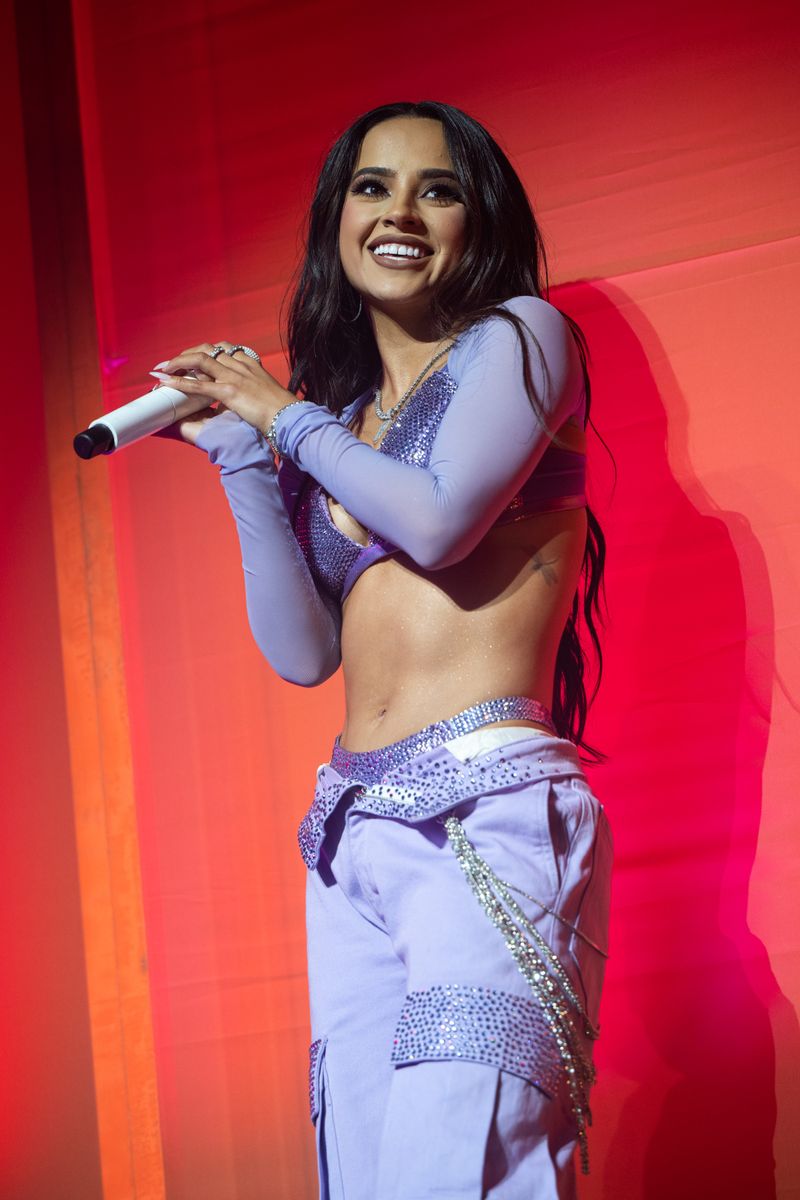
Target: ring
x,y
248,350
215,353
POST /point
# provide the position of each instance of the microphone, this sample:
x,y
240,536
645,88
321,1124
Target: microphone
x,y
136,420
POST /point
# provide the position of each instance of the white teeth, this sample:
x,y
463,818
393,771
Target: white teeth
x,y
397,250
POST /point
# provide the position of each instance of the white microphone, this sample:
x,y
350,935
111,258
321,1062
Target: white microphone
x,y
145,415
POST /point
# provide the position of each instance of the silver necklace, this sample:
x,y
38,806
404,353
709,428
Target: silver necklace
x,y
386,417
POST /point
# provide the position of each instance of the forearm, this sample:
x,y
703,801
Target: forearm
x,y
410,507
296,629
489,441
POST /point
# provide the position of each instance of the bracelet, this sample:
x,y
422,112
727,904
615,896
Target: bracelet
x,y
272,432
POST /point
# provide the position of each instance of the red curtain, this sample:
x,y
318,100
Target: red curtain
x,y
659,147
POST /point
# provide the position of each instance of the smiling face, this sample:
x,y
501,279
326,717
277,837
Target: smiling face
x,y
403,225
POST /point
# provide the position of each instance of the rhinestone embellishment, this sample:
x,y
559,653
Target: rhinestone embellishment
x,y
396,782
478,1024
546,1039
313,1059
560,1006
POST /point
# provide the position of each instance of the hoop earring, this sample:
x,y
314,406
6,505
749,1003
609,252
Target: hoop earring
x,y
352,320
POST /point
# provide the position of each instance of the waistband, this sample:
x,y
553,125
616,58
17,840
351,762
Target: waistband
x,y
418,777
371,766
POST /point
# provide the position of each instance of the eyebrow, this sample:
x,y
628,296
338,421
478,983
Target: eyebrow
x,y
425,173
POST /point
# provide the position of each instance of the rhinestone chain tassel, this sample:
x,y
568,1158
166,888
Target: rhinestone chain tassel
x,y
540,967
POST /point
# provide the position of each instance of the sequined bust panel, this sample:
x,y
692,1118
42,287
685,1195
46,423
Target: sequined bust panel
x,y
335,560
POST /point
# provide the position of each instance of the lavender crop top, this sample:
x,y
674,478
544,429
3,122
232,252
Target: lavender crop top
x,y
336,561
466,453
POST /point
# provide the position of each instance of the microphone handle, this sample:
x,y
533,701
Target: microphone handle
x,y
137,419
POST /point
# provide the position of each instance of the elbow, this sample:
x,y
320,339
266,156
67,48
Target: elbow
x,y
435,561
305,672
437,548
310,678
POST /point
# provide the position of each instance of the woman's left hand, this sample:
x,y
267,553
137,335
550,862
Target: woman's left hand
x,y
235,381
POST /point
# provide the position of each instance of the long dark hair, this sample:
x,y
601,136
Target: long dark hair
x,y
334,357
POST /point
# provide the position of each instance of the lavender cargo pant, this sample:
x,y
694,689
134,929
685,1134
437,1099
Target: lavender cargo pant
x,y
434,1071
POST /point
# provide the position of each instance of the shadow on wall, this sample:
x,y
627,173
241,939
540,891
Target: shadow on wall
x,y
684,718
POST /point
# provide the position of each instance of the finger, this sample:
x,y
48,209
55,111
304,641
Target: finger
x,y
212,349
203,348
227,347
190,360
164,378
235,352
226,357
212,366
213,391
247,355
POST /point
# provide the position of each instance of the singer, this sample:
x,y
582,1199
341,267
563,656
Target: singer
x,y
426,527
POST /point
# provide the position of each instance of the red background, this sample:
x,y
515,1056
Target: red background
x,y
156,1021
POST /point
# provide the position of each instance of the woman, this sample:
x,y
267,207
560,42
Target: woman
x,y
427,528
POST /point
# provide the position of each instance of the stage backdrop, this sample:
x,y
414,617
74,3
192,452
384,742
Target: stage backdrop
x,y
658,144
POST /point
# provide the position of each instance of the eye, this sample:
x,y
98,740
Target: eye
x,y
370,186
443,193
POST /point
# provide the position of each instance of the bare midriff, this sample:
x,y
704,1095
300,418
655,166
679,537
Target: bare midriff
x,y
419,646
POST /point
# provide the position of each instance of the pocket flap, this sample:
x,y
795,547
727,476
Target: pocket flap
x,y
316,1055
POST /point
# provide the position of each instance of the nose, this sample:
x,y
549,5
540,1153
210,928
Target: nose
x,y
403,212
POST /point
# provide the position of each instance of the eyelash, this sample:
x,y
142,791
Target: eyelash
x,y
448,193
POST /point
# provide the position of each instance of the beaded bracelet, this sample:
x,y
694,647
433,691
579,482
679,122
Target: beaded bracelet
x,y
271,433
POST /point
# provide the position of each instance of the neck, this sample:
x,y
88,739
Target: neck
x,y
405,345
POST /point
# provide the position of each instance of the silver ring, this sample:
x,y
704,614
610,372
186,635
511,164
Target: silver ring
x,y
248,350
215,353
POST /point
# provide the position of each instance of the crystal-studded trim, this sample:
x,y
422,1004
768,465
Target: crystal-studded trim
x,y
313,1081
479,1024
371,766
561,1007
416,779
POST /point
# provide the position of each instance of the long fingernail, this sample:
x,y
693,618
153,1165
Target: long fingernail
x,y
158,366
162,376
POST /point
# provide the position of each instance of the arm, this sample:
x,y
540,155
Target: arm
x,y
296,629
489,441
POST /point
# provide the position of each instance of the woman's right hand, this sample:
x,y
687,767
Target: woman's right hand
x,y
188,429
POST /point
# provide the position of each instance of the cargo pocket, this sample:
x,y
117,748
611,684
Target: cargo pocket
x,y
439,1132
475,1086
542,962
316,1057
328,1166
581,934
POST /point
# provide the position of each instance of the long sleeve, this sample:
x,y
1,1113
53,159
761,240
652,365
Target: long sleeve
x,y
489,441
296,629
